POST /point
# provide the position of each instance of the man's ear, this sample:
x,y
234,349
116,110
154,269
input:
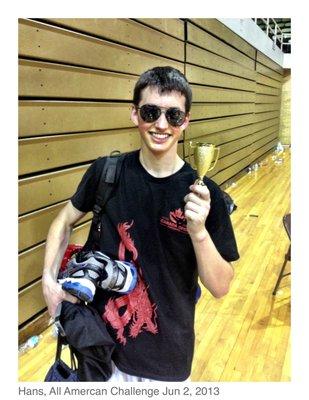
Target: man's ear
x,y
134,115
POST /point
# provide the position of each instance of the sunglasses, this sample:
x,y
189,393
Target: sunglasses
x,y
151,112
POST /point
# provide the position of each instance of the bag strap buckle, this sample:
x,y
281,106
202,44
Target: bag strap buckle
x,y
57,322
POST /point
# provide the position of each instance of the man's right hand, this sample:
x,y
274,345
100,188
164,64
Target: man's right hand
x,y
54,294
56,244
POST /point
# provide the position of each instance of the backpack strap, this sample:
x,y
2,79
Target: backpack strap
x,y
108,181
62,340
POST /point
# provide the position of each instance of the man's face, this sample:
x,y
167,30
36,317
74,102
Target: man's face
x,y
160,136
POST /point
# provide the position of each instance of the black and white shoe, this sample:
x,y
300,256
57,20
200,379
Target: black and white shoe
x,y
89,270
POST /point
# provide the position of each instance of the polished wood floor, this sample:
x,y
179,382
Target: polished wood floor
x,y
244,336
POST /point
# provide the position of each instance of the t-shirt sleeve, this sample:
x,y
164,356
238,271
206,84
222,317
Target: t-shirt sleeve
x,y
84,197
219,224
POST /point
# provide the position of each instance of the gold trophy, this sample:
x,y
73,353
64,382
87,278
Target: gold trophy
x,y
205,157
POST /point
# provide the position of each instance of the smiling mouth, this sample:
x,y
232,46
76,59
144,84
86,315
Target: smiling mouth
x,y
160,136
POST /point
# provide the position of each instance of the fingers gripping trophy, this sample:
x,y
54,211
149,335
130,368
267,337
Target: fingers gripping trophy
x,y
205,157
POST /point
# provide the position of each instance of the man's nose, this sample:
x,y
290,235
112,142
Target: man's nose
x,y
161,122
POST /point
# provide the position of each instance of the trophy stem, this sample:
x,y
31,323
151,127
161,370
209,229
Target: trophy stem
x,y
199,181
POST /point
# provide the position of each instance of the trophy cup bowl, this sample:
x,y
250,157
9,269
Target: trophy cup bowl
x,y
205,157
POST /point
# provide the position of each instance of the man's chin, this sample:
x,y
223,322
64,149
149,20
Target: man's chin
x,y
160,147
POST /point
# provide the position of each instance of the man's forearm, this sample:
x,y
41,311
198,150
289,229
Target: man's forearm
x,y
58,239
56,244
215,273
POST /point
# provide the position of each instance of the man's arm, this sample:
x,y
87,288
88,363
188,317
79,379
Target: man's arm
x,y
215,273
56,244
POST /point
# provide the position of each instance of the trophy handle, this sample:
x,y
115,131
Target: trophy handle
x,y
214,162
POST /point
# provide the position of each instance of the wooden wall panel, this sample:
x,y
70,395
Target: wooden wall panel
x,y
42,41
230,147
203,39
212,110
265,124
262,150
30,265
171,26
52,117
33,227
31,261
235,150
43,153
217,59
215,27
242,151
234,146
267,107
75,87
232,152
200,128
262,69
46,189
263,89
38,79
264,80
128,32
216,95
266,61
265,139
221,138
229,160
213,78
30,302
264,98
224,175
263,116
204,58
234,135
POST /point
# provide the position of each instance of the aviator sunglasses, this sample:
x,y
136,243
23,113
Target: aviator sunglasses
x,y
151,112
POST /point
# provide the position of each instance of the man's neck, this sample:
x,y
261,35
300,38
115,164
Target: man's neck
x,y
160,165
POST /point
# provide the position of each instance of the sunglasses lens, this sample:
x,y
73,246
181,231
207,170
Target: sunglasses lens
x,y
150,113
175,117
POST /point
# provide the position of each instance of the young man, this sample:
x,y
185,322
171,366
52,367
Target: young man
x,y
171,229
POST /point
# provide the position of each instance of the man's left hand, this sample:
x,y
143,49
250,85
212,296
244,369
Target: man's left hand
x,y
196,210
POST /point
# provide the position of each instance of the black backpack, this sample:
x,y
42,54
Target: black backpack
x,y
229,202
108,182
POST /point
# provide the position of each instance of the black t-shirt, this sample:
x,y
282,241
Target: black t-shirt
x,y
144,223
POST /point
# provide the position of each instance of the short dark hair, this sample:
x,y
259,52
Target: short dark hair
x,y
165,79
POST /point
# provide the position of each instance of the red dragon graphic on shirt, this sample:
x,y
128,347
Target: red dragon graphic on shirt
x,y
139,313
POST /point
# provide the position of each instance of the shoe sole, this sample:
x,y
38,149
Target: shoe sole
x,y
76,289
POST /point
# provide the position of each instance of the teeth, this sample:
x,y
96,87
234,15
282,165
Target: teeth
x,y
160,135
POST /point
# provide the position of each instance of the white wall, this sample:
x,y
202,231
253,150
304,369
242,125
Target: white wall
x,y
249,31
287,61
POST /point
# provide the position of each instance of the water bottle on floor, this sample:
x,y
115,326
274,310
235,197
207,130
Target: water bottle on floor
x,y
32,342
